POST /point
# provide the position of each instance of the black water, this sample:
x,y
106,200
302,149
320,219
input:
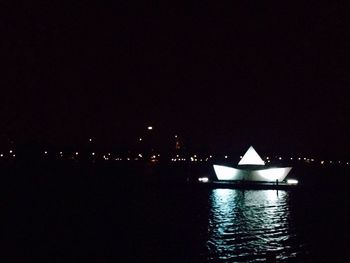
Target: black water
x,y
60,217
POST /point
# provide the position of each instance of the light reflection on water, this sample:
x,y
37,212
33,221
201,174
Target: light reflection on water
x,y
244,225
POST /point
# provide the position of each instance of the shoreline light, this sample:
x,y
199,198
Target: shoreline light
x,y
292,181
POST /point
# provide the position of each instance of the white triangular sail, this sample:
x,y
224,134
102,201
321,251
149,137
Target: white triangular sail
x,y
251,157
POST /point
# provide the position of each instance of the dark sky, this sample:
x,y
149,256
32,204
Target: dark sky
x,y
271,74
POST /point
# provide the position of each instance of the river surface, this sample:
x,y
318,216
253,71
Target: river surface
x,y
97,220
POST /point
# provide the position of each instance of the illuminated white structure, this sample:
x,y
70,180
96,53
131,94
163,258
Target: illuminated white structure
x,y
253,169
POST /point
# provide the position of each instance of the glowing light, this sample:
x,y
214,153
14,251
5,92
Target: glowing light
x,y
175,136
90,140
45,152
140,155
149,128
203,179
251,157
11,151
226,156
1,155
61,153
14,155
192,159
322,162
140,139
292,181
280,158
93,154
76,153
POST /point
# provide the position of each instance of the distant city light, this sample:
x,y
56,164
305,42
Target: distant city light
x,y
140,155
280,158
14,155
322,162
226,156
93,154
140,139
11,151
149,128
77,153
175,136
1,155
45,152
90,140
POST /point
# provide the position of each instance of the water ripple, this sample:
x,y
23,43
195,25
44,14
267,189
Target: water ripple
x,y
244,225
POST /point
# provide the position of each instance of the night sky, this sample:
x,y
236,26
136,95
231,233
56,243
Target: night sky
x,y
271,74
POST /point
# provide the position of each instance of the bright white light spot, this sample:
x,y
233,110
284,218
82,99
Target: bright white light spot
x,y
14,155
1,155
61,153
149,128
291,158
292,181
280,158
251,157
140,155
226,156
76,153
175,136
210,156
90,140
192,159
322,162
93,154
203,179
11,151
45,152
